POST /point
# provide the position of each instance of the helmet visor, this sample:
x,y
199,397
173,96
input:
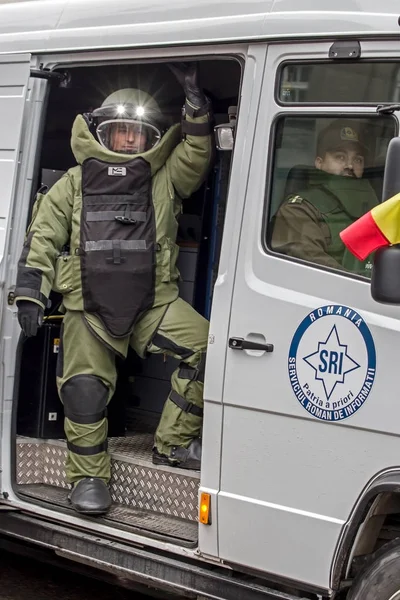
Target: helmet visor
x,y
127,136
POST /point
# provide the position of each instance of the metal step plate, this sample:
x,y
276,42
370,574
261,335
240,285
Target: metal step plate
x,y
135,481
140,521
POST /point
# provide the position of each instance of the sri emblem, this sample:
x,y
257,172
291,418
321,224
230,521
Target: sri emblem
x,y
332,362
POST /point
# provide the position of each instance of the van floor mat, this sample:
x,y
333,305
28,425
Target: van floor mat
x,y
172,529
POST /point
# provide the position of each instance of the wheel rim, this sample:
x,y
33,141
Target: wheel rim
x,y
396,596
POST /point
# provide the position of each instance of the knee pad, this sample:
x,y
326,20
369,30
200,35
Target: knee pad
x,y
85,399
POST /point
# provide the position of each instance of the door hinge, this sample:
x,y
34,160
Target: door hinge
x,y
11,298
62,78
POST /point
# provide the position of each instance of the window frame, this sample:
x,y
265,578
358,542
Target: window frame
x,y
271,163
312,62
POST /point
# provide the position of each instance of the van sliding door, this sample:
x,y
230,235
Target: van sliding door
x,y
14,76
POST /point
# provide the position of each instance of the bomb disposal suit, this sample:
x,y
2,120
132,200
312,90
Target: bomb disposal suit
x,y
118,216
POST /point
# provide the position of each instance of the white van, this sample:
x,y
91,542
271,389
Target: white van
x,y
300,479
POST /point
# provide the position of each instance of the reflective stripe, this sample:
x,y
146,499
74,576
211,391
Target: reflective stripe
x,y
184,405
109,215
88,450
111,244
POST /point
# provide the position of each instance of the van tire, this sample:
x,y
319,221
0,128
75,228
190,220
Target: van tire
x,y
381,579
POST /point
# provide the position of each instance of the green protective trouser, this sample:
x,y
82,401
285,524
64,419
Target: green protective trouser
x,y
86,379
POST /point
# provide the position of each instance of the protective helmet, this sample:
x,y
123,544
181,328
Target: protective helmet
x,y
129,122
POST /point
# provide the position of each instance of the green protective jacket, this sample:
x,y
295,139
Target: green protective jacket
x,y
336,202
173,170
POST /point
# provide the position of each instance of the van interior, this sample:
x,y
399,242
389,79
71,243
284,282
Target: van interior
x,y
156,501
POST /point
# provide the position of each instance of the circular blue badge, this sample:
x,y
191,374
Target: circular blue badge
x,y
332,362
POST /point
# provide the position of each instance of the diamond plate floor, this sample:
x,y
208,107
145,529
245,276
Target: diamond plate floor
x,y
142,492
147,522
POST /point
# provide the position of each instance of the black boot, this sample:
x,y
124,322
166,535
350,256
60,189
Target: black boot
x,y
90,496
184,458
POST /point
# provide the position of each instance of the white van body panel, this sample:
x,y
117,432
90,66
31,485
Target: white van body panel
x,y
47,25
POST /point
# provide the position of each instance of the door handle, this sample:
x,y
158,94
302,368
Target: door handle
x,y
241,344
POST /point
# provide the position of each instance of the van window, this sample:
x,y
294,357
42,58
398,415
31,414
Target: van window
x,y
340,83
327,173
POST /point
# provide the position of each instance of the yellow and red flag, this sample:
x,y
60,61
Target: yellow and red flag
x,y
378,227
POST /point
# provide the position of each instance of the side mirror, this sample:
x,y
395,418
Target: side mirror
x,y
385,280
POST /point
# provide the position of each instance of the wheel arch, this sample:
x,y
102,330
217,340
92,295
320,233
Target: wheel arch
x,y
379,499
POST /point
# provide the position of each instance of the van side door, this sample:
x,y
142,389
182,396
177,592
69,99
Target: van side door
x,y
14,75
307,417
14,78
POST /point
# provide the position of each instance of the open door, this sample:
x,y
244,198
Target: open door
x,y
14,75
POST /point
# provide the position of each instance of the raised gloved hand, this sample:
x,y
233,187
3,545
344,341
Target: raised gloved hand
x,y
187,73
30,317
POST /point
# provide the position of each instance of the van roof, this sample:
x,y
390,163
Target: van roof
x,y
59,25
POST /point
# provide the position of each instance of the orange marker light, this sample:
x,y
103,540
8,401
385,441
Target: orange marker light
x,y
205,515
